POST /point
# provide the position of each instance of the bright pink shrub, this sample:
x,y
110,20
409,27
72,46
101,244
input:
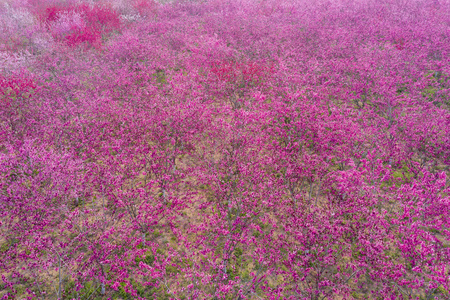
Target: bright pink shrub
x,y
12,88
95,21
17,99
87,35
145,7
233,72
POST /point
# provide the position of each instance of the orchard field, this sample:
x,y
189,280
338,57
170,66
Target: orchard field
x,y
225,149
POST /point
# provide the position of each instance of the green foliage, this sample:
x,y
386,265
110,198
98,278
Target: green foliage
x,y
441,290
433,230
438,82
160,76
238,252
401,90
400,176
89,290
172,269
148,259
